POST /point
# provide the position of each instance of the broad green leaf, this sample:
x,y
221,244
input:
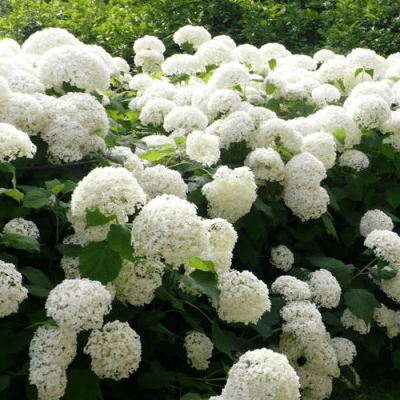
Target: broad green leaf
x,y
392,195
13,193
191,396
69,250
219,340
36,277
69,186
340,135
95,218
6,167
83,384
54,186
329,225
97,261
342,272
119,239
387,150
203,281
152,155
197,263
263,328
358,71
271,88
272,64
361,303
163,294
382,274
265,208
20,242
36,198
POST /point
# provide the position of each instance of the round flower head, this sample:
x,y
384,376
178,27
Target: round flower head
x,y
76,65
368,60
203,147
148,43
388,319
385,244
22,226
24,112
262,374
180,64
231,193
157,143
349,320
140,82
243,297
115,350
324,55
5,91
392,287
49,38
354,159
149,60
11,290
212,52
136,283
321,145
345,350
223,101
274,50
250,56
159,180
266,164
261,114
51,351
78,304
155,110
229,75
291,288
111,190
368,111
282,258
380,88
325,289
192,35
199,349
14,143
168,227
375,219
130,161
189,118
23,81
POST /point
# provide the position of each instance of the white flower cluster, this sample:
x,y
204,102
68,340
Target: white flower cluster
x,y
349,320
137,282
261,374
386,245
291,288
375,219
22,226
282,257
354,159
14,143
70,265
111,190
388,319
11,290
345,350
51,351
78,304
168,227
203,147
149,54
198,349
243,297
115,350
193,35
267,164
325,289
231,193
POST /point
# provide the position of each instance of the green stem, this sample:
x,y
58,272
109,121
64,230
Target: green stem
x,y
363,269
198,309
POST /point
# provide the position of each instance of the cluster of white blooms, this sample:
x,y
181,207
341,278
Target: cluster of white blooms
x,y
375,219
345,350
386,245
128,159
282,257
69,264
155,110
199,348
111,190
223,101
230,75
193,35
261,374
325,289
22,226
303,193
137,282
349,320
149,53
216,51
354,159
51,351
14,143
325,94
11,290
388,319
78,304
115,350
203,147
231,193
159,180
222,238
168,227
188,118
291,288
179,64
321,145
243,297
267,164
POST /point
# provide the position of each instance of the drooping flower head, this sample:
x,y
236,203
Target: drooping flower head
x,y
199,349
14,143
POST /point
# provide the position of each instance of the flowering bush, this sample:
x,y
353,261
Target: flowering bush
x,y
205,228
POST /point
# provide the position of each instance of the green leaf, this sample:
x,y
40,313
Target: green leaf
x,y
387,150
54,186
156,379
203,281
340,135
342,272
265,208
361,303
272,64
381,274
13,193
69,186
199,264
358,71
95,218
69,250
40,285
329,225
119,239
271,88
392,196
191,396
99,262
152,155
219,340
20,242
263,327
83,384
6,167
36,198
